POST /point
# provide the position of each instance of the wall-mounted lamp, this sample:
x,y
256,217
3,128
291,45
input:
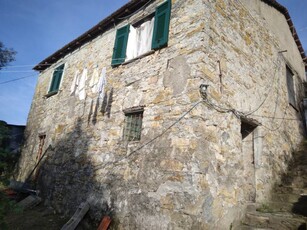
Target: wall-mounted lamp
x,y
203,88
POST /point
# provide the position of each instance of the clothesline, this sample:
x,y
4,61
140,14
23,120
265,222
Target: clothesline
x,y
97,83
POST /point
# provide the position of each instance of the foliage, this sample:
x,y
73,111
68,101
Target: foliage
x,y
7,163
7,55
7,206
7,159
3,132
4,154
265,208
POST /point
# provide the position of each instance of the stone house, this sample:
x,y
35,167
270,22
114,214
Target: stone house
x,y
169,114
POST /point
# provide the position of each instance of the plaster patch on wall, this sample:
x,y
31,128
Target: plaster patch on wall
x,y
176,75
133,98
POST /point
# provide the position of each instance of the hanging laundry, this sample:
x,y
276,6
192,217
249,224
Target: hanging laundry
x,y
102,82
95,113
75,83
91,112
94,81
81,86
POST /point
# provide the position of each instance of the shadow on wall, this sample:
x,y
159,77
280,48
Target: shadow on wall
x,y
66,177
298,169
105,109
294,180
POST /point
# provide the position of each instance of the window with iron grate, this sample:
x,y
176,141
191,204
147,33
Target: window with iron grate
x,y
133,125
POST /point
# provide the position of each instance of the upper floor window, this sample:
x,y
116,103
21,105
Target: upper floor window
x,y
139,39
135,40
56,80
290,87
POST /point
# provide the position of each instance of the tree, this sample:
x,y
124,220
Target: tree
x,y
8,159
7,163
7,55
3,152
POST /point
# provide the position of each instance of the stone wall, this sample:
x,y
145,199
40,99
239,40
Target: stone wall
x,y
191,169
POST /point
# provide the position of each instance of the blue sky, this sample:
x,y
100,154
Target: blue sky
x,y
38,28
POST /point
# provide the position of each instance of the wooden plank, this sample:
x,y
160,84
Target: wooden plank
x,y
104,224
29,202
77,217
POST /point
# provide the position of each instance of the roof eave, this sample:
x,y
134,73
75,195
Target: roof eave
x,y
285,12
131,7
92,33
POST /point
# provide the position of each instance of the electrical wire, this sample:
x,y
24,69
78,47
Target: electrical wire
x,y
16,71
302,29
269,84
221,109
161,134
17,79
153,139
277,118
143,7
22,66
279,126
267,95
239,114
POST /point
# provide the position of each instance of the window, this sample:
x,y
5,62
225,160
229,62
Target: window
x,y
133,124
56,80
140,39
290,87
132,41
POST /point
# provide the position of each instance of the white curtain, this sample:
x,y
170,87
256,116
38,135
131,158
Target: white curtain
x,y
139,40
132,44
145,32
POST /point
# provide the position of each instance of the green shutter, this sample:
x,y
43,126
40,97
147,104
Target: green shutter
x,y
56,79
161,27
120,46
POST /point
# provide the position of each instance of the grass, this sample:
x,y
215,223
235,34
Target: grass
x,y
264,208
37,218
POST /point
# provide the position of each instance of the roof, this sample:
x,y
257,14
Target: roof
x,y
128,9
285,12
107,23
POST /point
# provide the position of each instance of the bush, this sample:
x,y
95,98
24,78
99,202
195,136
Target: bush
x,y
7,163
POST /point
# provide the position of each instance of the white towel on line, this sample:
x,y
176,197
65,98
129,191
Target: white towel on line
x,y
81,86
75,82
102,82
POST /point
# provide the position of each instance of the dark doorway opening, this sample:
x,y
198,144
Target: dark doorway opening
x,y
248,153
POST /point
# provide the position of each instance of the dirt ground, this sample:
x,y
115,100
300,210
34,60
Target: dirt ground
x,y
37,218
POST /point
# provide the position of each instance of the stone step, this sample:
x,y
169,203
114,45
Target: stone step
x,y
298,161
297,181
271,207
280,221
251,207
289,189
247,227
282,207
286,197
299,170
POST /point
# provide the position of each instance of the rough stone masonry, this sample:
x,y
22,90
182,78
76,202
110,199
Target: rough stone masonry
x,y
198,161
